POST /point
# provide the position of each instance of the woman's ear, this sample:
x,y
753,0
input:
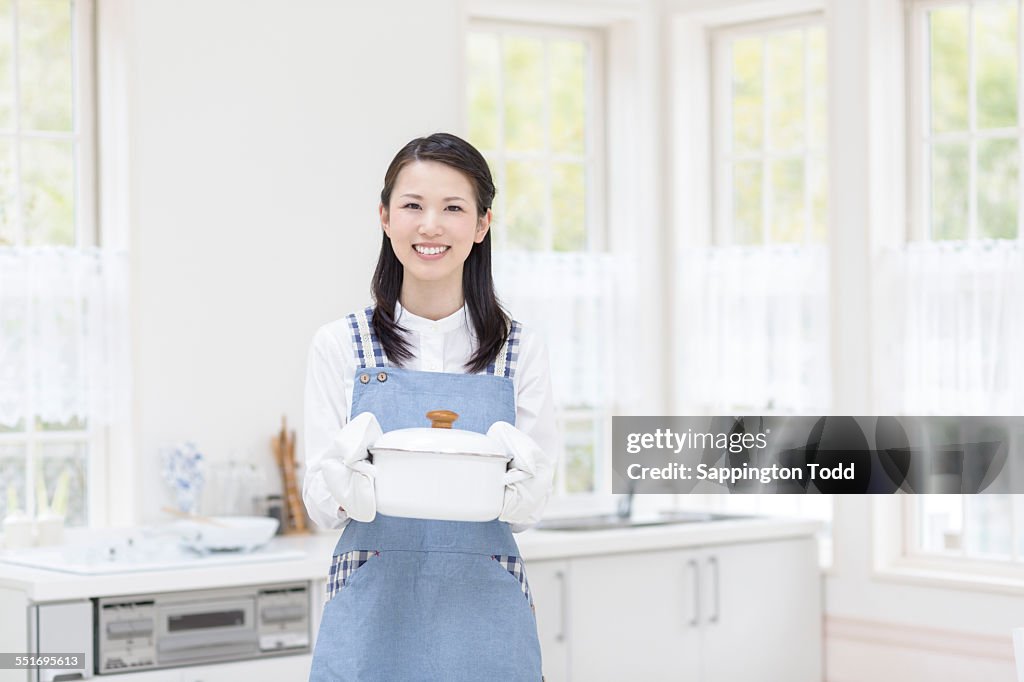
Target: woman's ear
x,y
482,226
383,210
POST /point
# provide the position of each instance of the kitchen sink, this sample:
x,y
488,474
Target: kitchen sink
x,y
612,521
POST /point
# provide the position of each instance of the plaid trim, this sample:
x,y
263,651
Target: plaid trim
x,y
343,566
504,364
517,568
368,351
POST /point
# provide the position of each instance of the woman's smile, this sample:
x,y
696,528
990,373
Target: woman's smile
x,y
430,251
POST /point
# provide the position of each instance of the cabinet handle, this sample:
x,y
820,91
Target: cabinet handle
x,y
562,606
713,561
695,621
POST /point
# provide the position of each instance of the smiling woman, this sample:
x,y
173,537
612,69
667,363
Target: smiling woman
x,y
417,595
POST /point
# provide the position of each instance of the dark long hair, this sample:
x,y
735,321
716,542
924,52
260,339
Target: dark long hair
x,y
490,321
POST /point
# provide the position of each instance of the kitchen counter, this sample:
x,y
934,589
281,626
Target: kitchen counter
x,y
537,545
41,585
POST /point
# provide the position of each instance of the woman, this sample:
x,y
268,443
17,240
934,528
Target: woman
x,y
414,599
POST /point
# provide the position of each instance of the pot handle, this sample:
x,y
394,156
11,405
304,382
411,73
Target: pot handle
x,y
441,419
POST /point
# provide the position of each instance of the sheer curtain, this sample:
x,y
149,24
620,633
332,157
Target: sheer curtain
x,y
64,375
948,334
949,330
63,336
754,330
571,300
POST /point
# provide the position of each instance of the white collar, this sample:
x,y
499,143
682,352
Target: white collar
x,y
423,325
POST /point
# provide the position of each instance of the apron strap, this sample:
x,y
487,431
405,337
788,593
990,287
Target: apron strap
x,y
368,351
505,362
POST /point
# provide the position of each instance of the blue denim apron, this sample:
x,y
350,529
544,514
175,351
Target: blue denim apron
x,y
416,599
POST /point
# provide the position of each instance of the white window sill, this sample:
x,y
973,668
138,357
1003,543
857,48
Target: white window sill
x,y
924,573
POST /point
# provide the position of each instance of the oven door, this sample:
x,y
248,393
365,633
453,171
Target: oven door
x,y
214,630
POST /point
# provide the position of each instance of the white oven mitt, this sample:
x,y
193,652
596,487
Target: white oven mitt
x,y
529,478
348,473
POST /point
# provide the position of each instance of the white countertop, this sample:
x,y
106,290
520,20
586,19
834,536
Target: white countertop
x,y
538,545
41,585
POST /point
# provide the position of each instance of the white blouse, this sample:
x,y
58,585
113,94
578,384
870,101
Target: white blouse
x,y
443,345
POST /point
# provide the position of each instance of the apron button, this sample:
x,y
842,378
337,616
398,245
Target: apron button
x,y
382,376
364,378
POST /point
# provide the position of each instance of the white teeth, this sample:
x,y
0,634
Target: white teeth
x,y
430,250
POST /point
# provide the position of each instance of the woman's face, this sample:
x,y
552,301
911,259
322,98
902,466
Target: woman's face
x,y
432,222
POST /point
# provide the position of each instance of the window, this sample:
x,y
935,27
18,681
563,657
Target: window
x,y
958,350
534,100
753,290
965,134
755,302
52,301
769,99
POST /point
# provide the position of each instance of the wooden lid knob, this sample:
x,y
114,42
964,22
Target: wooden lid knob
x,y
441,419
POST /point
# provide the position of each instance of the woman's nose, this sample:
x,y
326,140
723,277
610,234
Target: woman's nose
x,y
431,224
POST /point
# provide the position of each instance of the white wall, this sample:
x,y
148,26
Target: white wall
x,y
260,136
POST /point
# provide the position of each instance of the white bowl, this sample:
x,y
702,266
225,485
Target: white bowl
x,y
227,533
440,474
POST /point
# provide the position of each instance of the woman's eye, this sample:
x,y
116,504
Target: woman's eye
x,y
454,208
411,205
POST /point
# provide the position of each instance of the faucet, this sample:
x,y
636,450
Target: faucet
x,y
624,506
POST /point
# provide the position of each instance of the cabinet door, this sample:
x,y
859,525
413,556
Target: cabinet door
x,y
762,611
634,617
548,584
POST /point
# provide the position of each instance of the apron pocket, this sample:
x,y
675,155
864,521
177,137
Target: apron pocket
x,y
517,569
344,566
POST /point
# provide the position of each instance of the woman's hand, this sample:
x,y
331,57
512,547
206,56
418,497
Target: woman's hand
x,y
529,479
348,473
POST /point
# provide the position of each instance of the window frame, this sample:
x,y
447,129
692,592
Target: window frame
x,y
694,208
86,224
892,562
594,156
83,132
919,223
596,209
722,155
896,555
1011,567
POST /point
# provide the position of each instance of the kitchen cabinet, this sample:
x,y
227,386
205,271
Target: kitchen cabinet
x,y
706,614
768,612
548,586
632,616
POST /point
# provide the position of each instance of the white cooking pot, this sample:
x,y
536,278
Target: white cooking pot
x,y
439,473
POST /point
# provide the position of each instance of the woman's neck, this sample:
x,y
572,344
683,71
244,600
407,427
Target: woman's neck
x,y
430,302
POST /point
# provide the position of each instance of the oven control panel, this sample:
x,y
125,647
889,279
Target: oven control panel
x,y
139,632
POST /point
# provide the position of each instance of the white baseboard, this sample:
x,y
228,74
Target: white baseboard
x,y
858,650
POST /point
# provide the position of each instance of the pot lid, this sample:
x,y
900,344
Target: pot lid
x,y
440,438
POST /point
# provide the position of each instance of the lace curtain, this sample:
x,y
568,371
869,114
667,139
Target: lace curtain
x,y
571,300
63,336
755,330
948,329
